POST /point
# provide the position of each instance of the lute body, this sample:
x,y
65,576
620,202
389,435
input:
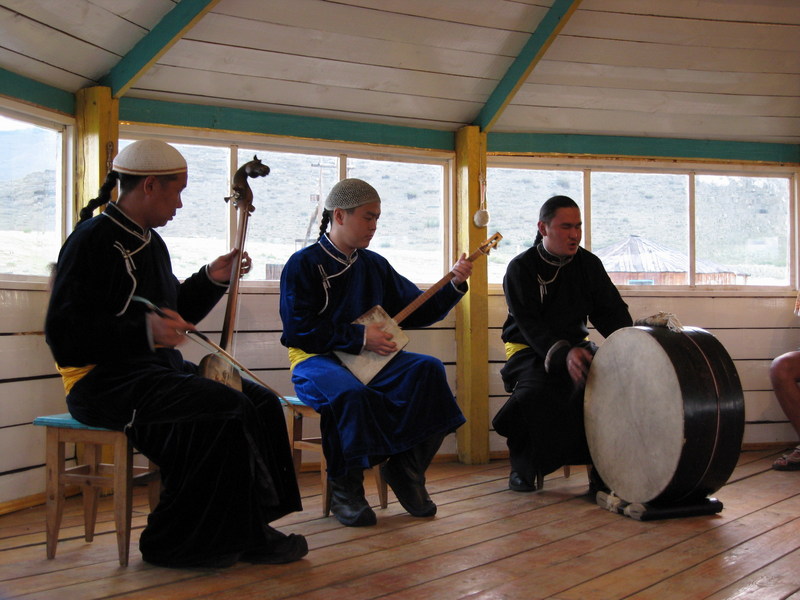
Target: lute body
x,y
367,364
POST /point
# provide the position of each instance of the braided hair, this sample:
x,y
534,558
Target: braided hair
x,y
126,184
327,217
103,196
323,225
549,209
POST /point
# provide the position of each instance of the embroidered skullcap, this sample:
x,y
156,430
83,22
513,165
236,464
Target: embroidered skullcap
x,y
350,193
149,157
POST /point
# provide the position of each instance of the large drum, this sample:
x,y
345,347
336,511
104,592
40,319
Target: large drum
x,y
664,414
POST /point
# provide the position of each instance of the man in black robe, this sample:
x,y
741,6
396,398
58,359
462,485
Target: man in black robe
x,y
551,290
224,455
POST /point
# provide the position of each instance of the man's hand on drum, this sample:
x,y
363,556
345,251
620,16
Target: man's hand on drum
x,y
578,361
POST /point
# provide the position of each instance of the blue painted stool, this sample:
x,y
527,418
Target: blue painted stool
x,y
314,444
92,476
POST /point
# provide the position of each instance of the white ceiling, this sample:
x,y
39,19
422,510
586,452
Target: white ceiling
x,y
694,69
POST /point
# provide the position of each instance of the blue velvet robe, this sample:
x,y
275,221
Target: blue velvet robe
x,y
322,293
224,455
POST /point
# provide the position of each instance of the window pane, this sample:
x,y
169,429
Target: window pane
x,y
640,227
288,207
30,197
198,233
410,232
513,199
742,230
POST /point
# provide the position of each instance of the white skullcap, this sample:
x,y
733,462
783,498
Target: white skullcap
x,y
350,193
149,157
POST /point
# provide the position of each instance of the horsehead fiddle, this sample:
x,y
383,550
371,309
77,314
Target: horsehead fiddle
x,y
213,366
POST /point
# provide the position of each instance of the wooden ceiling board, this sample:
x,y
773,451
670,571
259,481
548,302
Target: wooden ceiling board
x,y
270,110
109,31
39,71
514,15
189,57
296,95
662,125
646,101
376,24
664,56
144,13
676,80
746,11
234,31
684,32
46,44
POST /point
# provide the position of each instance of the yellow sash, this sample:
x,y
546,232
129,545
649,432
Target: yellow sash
x,y
296,356
512,348
72,375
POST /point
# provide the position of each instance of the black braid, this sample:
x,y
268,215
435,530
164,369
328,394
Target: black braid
x,y
548,211
326,218
103,196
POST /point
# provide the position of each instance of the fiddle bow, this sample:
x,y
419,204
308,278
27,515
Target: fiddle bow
x,y
213,366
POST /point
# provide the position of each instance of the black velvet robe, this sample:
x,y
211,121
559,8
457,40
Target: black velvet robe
x,y
224,455
543,418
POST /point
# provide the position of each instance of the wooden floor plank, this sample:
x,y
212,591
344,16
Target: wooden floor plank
x,y
780,579
485,542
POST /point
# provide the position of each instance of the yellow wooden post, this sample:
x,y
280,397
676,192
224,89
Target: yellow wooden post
x,y
97,128
472,320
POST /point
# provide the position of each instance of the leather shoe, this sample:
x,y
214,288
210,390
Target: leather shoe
x,y
348,503
285,550
405,484
518,484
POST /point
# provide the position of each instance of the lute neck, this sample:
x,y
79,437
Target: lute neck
x,y
422,298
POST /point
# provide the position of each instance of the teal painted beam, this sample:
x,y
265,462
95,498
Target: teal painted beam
x,y
154,44
235,119
540,143
30,91
519,70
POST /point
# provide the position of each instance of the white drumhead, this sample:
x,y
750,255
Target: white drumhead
x,y
634,415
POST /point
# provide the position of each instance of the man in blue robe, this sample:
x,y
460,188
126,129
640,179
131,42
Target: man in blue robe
x,y
223,454
406,410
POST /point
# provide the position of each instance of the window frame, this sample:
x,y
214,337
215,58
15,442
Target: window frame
x,y
340,150
65,125
691,169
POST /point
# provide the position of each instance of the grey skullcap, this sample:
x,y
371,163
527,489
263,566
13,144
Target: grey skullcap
x,y
149,157
350,193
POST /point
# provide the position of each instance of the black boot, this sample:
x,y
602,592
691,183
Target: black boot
x,y
348,503
405,474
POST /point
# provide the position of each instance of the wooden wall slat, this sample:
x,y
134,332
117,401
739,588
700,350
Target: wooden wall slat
x,y
22,401
21,447
25,356
23,310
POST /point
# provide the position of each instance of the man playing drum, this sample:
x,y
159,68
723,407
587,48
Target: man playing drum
x,y
551,290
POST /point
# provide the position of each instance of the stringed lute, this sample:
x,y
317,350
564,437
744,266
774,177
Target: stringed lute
x,y
368,364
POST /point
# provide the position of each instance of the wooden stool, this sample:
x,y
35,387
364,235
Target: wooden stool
x,y
300,443
92,476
